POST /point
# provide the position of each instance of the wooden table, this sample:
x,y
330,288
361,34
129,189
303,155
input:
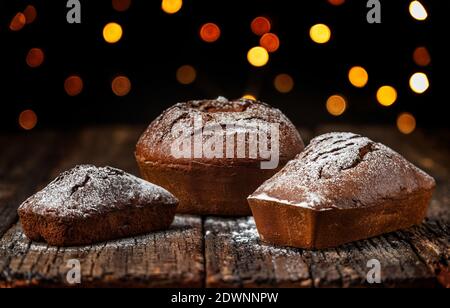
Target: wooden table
x,y
211,252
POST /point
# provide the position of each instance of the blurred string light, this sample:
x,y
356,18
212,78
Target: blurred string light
x,y
336,2
112,32
35,57
419,83
320,33
186,74
171,6
258,56
421,56
336,105
406,123
18,22
210,32
270,42
387,95
121,85
121,5
250,97
260,25
73,85
284,83
30,14
418,11
28,119
358,76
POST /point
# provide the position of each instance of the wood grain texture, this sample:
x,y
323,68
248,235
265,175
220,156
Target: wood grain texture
x,y
419,256
216,252
172,258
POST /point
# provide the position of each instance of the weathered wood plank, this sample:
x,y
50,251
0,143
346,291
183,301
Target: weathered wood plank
x,y
418,256
25,161
170,258
236,258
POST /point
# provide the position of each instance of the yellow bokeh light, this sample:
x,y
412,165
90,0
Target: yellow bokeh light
x,y
320,33
171,6
186,74
250,97
387,95
419,83
358,76
112,32
417,10
406,123
284,83
258,56
336,105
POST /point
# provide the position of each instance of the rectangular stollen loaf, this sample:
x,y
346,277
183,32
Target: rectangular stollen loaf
x,y
342,188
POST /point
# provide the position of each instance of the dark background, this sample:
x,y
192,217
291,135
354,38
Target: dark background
x,y
155,44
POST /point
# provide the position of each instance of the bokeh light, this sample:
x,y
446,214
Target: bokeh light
x,y
387,95
28,119
18,22
112,32
336,2
258,56
186,74
121,5
336,105
260,25
320,33
419,83
250,97
358,76
35,57
210,32
270,42
417,10
121,85
406,123
284,83
73,85
30,14
421,56
171,6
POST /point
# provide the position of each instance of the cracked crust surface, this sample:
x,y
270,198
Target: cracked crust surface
x,y
88,204
344,171
233,115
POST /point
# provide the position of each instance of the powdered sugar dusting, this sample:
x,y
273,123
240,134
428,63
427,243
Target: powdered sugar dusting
x,y
87,190
343,170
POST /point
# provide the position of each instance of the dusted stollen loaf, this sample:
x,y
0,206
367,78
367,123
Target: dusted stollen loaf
x,y
342,188
216,185
88,204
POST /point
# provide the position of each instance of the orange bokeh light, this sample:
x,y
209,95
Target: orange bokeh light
x,y
121,85
284,83
73,85
121,5
27,119
18,22
270,42
261,25
421,56
186,74
406,123
30,14
210,32
35,57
